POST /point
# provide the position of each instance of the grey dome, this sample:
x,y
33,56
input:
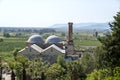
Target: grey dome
x,y
53,39
35,39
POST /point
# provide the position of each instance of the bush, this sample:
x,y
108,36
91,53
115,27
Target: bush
x,y
1,40
6,34
55,72
104,74
98,74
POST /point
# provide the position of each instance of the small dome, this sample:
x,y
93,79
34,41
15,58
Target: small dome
x,y
53,39
35,39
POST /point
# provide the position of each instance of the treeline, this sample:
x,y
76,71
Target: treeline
x,y
24,33
24,69
27,30
108,54
48,30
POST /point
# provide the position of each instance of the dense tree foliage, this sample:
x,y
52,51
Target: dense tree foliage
x,y
15,52
107,56
111,45
104,74
24,64
54,72
1,40
36,67
0,68
6,34
88,62
75,70
47,30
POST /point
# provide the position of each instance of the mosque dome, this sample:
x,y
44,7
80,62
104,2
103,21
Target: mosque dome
x,y
53,39
35,39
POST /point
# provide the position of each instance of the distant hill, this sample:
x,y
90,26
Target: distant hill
x,y
83,26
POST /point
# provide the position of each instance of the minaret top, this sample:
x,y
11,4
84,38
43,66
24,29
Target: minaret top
x,y
70,23
70,32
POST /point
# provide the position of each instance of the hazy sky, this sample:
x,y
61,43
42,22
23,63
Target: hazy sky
x,y
44,13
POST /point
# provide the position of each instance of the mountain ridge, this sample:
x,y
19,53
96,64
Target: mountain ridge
x,y
90,26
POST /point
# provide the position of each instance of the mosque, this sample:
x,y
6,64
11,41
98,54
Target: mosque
x,y
51,48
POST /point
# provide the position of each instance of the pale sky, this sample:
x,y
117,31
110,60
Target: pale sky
x,y
45,13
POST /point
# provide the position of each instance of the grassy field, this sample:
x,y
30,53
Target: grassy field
x,y
8,45
14,40
87,42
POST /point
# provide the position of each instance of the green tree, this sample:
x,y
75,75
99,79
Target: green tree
x,y
1,40
6,34
98,57
55,72
96,34
88,63
61,61
111,45
18,70
100,74
75,70
104,74
116,72
12,65
37,68
24,62
15,52
0,68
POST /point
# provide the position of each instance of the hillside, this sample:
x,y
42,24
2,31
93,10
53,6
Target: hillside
x,y
83,26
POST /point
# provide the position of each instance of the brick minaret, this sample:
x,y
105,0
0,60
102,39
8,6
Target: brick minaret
x,y
70,32
70,46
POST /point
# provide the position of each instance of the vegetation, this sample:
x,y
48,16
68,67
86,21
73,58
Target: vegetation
x,y
87,42
1,40
111,45
107,56
10,44
6,34
104,74
102,64
1,68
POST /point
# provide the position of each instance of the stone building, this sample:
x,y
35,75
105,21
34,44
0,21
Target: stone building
x,y
49,49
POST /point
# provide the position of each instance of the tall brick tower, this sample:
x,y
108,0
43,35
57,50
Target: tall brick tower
x,y
70,32
70,46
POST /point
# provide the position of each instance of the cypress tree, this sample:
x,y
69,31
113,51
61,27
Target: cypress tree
x,y
111,45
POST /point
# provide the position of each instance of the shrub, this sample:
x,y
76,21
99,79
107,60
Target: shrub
x,y
1,40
